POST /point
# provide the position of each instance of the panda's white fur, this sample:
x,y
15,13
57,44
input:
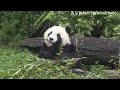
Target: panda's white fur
x,y
56,30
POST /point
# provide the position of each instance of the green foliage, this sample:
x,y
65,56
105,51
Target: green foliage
x,y
44,16
21,64
18,25
83,23
96,72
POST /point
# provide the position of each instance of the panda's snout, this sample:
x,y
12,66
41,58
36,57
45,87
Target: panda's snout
x,y
50,39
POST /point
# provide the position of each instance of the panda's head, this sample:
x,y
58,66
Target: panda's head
x,y
51,36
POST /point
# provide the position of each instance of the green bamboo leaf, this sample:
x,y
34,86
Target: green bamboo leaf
x,y
46,15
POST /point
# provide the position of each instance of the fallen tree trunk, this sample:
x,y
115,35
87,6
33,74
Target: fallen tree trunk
x,y
33,44
103,51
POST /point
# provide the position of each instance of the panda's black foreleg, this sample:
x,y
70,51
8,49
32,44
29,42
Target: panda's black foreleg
x,y
45,52
56,47
41,51
50,52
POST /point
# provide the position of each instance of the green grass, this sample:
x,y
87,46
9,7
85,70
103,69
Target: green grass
x,y
16,63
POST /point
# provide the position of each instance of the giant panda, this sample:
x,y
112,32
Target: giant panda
x,y
55,38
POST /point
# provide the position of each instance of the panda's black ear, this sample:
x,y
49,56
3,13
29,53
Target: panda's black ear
x,y
68,30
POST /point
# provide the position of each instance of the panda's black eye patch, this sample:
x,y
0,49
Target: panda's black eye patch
x,y
49,33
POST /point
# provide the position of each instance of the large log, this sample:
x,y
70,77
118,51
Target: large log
x,y
33,44
103,51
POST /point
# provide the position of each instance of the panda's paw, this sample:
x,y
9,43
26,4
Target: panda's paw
x,y
78,71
